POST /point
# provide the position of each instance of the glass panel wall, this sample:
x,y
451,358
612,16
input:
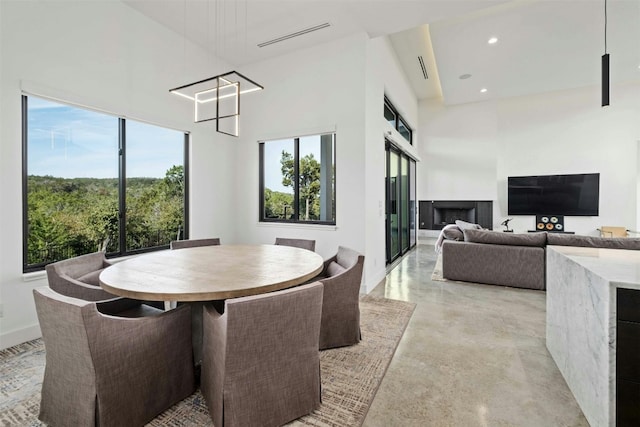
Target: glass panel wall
x,y
71,182
404,201
412,204
401,203
393,202
154,185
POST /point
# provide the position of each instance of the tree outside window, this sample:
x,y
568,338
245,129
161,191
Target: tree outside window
x,y
78,197
298,179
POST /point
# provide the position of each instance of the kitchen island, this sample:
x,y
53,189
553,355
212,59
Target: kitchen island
x,y
593,329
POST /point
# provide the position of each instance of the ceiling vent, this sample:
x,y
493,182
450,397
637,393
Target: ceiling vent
x,y
422,67
295,34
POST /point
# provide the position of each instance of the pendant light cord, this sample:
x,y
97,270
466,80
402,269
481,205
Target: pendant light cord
x,y
605,26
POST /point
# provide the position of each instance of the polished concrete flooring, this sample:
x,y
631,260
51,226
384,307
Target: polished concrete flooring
x,y
472,355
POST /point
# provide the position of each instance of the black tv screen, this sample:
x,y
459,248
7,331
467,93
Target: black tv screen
x,y
572,195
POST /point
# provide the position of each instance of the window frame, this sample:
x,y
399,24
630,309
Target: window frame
x,y
121,153
398,120
296,180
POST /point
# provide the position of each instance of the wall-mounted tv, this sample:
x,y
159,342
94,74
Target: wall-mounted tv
x,y
571,195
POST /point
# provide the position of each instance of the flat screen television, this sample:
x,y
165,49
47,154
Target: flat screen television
x,y
570,195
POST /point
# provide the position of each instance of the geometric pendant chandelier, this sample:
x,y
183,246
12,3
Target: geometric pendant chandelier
x,y
218,98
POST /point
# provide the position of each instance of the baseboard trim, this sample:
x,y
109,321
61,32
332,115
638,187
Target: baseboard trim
x,y
9,339
379,277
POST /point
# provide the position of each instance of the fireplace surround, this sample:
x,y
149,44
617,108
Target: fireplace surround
x,y
435,214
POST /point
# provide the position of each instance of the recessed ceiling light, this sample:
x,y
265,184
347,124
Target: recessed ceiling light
x,y
493,40
464,76
483,90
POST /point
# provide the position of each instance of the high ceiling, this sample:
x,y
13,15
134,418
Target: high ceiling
x,y
543,45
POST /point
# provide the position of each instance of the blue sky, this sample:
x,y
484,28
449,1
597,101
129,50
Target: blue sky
x,y
71,142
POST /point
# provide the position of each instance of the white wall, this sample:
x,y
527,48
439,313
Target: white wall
x,y
383,76
107,56
336,86
468,151
317,90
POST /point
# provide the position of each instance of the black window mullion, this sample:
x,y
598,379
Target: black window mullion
x,y
296,179
261,180
122,187
25,180
185,195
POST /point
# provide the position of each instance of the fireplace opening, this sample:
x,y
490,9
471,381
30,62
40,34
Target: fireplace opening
x,y
436,214
444,216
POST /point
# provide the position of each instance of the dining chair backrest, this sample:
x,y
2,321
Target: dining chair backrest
x,y
180,244
297,243
341,278
106,370
78,277
261,363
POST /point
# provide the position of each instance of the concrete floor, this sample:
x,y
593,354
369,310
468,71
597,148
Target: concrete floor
x,y
472,355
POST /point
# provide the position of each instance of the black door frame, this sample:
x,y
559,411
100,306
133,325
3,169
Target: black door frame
x,y
389,147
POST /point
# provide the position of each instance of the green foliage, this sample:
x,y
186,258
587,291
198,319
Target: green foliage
x,y
309,183
70,217
277,204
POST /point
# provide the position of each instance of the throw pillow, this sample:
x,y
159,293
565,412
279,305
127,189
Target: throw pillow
x,y
500,238
452,233
92,278
333,269
464,225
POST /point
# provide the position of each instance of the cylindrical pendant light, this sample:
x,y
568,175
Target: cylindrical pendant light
x,y
605,63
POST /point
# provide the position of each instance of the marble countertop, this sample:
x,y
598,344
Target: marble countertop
x,y
620,267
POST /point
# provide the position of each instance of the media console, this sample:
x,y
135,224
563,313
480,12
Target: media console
x,y
552,231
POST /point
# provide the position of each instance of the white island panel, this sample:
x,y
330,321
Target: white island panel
x,y
578,310
581,321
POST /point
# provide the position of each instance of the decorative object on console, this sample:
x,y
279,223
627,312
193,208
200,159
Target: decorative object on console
x,y
506,225
608,231
550,223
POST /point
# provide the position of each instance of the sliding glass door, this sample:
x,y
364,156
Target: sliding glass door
x,y
393,217
400,203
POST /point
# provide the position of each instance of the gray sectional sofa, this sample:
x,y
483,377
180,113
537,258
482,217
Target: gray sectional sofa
x,y
507,259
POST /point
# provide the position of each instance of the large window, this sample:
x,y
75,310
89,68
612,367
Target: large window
x,y
297,179
98,182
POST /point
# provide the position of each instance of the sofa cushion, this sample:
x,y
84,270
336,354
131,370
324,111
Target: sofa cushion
x,y
500,238
452,233
333,269
558,239
464,225
92,278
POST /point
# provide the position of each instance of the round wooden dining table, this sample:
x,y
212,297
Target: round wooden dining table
x,y
209,273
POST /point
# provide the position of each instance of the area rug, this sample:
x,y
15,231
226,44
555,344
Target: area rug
x,y
350,375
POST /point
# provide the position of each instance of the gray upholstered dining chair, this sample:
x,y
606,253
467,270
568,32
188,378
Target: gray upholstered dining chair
x,y
341,278
179,244
106,365
261,364
79,277
297,243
